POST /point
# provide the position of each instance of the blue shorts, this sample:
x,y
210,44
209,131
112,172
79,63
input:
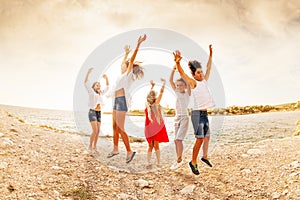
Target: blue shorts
x,y
94,115
120,104
200,123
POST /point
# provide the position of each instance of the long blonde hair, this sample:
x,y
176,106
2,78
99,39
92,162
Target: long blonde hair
x,y
152,107
137,70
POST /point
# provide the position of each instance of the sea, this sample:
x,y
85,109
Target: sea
x,y
233,129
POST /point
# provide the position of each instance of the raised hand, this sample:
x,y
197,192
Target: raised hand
x,y
127,49
104,76
152,83
142,39
90,69
88,74
163,81
177,56
210,49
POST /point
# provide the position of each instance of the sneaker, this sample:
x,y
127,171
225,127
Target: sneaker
x,y
176,165
206,161
194,168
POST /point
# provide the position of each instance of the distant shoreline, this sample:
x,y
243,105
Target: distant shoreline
x,y
231,110
228,111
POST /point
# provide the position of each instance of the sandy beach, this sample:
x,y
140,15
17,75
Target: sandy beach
x,y
39,163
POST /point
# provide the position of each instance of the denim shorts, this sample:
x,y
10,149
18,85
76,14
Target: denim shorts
x,y
120,104
94,115
200,123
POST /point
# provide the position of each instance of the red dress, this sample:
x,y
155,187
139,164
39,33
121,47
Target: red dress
x,y
154,130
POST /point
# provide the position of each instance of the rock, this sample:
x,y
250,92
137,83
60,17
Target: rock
x,y
1,134
57,168
43,187
285,192
3,165
85,152
254,152
297,131
25,158
246,171
56,193
295,164
276,195
31,195
188,189
124,196
113,168
245,155
294,174
151,184
142,183
11,188
6,142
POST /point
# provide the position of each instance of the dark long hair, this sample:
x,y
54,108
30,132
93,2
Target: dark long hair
x,y
94,88
193,65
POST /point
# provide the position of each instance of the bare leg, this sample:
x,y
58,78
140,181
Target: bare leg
x,y
120,121
205,146
157,151
115,133
150,148
97,135
196,149
176,147
93,134
179,148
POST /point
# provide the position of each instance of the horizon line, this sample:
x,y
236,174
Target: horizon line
x,y
280,104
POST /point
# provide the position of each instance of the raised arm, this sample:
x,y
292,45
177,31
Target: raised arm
x,y
188,88
106,79
88,74
161,91
209,62
127,51
107,83
152,84
172,77
177,58
131,61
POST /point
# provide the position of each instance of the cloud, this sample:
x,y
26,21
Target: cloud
x,y
251,38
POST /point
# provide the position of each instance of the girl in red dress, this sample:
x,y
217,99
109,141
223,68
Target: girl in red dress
x,y
155,130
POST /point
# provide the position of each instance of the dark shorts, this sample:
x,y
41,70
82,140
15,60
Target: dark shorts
x,y
120,104
200,123
94,115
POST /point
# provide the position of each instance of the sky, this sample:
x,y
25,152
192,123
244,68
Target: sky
x,y
45,43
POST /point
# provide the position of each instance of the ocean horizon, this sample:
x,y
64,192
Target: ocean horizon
x,y
225,129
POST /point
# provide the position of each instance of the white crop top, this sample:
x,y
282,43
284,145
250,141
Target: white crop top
x,y
124,81
94,98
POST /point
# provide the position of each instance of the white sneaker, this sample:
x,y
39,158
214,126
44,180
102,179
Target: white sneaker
x,y
176,165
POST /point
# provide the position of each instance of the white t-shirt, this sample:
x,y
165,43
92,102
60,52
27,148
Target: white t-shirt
x,y
182,102
94,98
202,96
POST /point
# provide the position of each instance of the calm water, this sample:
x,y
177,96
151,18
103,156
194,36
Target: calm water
x,y
225,129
